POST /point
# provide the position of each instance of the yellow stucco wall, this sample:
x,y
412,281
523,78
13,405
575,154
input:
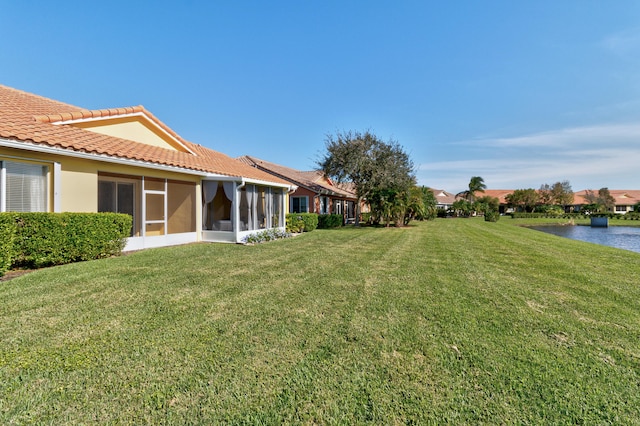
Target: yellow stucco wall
x,y
79,178
135,128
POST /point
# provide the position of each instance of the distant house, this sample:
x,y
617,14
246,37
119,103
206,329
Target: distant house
x,y
444,199
315,192
625,199
56,157
501,195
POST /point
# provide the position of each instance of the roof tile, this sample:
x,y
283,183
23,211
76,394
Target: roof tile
x,y
29,118
313,180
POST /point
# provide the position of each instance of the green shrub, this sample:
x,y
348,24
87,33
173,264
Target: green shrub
x,y
7,236
46,239
302,222
365,217
491,216
326,221
310,221
295,223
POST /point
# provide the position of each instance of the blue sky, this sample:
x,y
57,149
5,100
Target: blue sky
x,y
519,92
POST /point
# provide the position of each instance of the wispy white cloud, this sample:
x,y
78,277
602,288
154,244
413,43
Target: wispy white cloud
x,y
623,43
568,138
589,157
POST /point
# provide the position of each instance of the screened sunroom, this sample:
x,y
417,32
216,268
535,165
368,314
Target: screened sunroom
x,y
232,210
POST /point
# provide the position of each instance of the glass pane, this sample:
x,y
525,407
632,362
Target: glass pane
x,y
125,198
106,196
26,187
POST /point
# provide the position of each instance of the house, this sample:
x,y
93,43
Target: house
x,y
501,195
315,192
625,199
444,199
56,157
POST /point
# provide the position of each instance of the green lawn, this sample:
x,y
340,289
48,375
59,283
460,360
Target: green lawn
x,y
452,321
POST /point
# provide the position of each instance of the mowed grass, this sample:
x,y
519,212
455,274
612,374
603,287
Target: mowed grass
x,y
452,321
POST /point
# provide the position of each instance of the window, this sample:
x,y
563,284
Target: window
x,y
299,204
621,209
324,205
23,187
337,207
117,196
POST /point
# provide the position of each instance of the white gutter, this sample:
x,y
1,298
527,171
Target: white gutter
x,y
245,181
46,149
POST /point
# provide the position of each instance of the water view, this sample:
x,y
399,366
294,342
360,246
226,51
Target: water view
x,y
624,237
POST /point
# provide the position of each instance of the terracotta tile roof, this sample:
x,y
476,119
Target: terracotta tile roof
x,y
500,194
29,118
312,180
624,197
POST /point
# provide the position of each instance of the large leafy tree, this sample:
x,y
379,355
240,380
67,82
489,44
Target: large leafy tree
x,y
371,165
559,194
526,199
600,202
562,193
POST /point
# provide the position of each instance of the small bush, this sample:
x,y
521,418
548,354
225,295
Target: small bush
x,y
46,239
7,236
302,222
310,221
295,223
491,216
365,217
266,235
326,221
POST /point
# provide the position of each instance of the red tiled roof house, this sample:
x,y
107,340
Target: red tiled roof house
x,y
315,192
58,157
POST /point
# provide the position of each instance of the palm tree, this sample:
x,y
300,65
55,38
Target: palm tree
x,y
476,184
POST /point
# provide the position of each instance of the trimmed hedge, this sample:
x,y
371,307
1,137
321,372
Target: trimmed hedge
x,y
47,239
301,222
7,236
326,221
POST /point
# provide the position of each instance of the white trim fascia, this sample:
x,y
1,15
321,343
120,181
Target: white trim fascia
x,y
131,114
3,193
57,187
47,149
244,180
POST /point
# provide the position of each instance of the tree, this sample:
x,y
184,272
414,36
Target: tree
x,y
545,194
559,194
562,194
462,208
421,205
600,202
370,165
489,207
476,184
523,198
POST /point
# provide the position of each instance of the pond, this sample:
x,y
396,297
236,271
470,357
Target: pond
x,y
624,237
